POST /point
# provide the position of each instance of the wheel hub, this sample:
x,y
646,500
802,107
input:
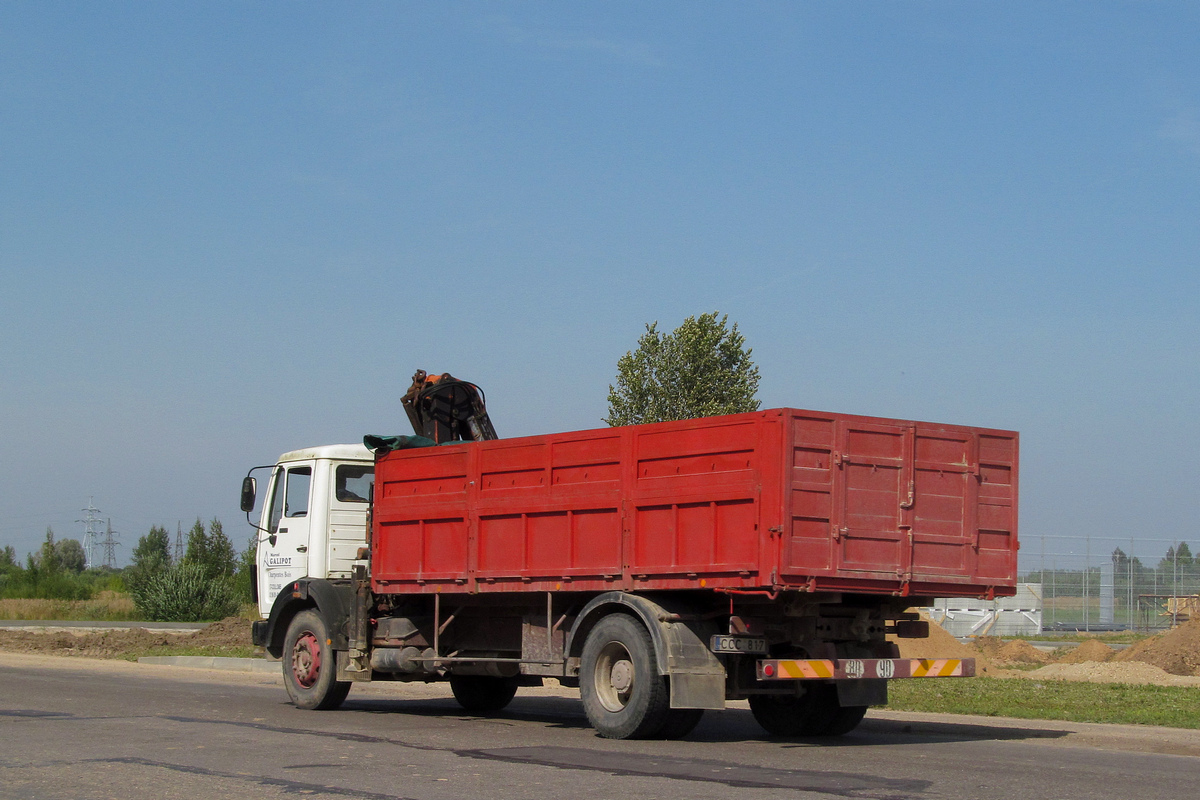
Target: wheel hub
x,y
621,676
615,677
306,660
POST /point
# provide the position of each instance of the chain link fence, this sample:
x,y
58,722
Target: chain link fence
x,y
1091,583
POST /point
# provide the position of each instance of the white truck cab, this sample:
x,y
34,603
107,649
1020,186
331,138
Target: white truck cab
x,y
314,516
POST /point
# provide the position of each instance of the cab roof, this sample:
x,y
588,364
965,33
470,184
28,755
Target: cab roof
x,y
339,452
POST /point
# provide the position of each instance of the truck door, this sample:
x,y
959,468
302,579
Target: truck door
x,y
283,552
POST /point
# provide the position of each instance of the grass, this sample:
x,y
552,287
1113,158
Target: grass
x,y
207,651
107,606
1023,698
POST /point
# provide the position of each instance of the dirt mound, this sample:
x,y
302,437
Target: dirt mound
x,y
1131,672
941,644
230,632
1017,651
988,646
1088,650
1177,651
101,644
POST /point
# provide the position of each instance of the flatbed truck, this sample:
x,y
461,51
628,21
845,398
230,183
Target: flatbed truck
x,y
663,569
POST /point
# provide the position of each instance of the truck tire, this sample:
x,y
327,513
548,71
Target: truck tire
x,y
623,695
845,719
309,665
810,714
481,694
680,722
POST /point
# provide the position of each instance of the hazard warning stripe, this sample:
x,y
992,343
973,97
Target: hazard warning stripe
x,y
799,669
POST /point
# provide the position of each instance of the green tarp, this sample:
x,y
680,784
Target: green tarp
x,y
386,444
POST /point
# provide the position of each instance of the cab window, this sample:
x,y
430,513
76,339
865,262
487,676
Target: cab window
x,y
276,500
295,503
353,483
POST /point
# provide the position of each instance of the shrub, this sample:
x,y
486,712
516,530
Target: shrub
x,y
184,593
35,583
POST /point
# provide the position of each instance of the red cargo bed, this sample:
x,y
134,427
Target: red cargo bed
x,y
780,499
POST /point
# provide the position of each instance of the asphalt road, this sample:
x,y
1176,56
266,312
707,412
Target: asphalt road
x,y
71,728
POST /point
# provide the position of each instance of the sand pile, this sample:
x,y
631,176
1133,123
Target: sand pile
x,y
1017,651
1088,650
1132,672
941,644
1176,651
988,646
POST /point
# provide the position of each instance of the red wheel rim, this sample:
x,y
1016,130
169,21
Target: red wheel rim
x,y
306,659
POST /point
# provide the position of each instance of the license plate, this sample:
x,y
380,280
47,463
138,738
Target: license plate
x,y
738,644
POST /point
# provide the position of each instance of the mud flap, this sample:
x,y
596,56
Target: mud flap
x,y
697,690
696,675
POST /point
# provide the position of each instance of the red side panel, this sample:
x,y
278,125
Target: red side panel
x,y
911,507
695,497
775,499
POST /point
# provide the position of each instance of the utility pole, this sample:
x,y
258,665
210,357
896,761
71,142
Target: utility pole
x,y
90,533
110,547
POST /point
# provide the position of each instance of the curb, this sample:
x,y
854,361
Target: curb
x,y
122,625
214,662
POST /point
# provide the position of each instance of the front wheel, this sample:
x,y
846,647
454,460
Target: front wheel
x,y
309,665
623,694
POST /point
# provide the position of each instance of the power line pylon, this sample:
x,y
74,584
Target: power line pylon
x,y
90,533
110,547
178,541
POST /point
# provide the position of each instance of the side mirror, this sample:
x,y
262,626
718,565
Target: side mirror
x,y
249,487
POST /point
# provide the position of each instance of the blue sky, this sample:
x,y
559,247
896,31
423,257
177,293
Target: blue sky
x,y
228,230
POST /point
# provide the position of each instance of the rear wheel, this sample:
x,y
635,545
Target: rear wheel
x,y
481,694
845,719
309,667
809,714
623,694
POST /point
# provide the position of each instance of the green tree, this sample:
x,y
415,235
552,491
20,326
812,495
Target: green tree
x,y
197,545
70,555
1176,558
45,576
200,586
46,561
151,556
8,559
211,550
247,564
222,558
700,369
153,551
